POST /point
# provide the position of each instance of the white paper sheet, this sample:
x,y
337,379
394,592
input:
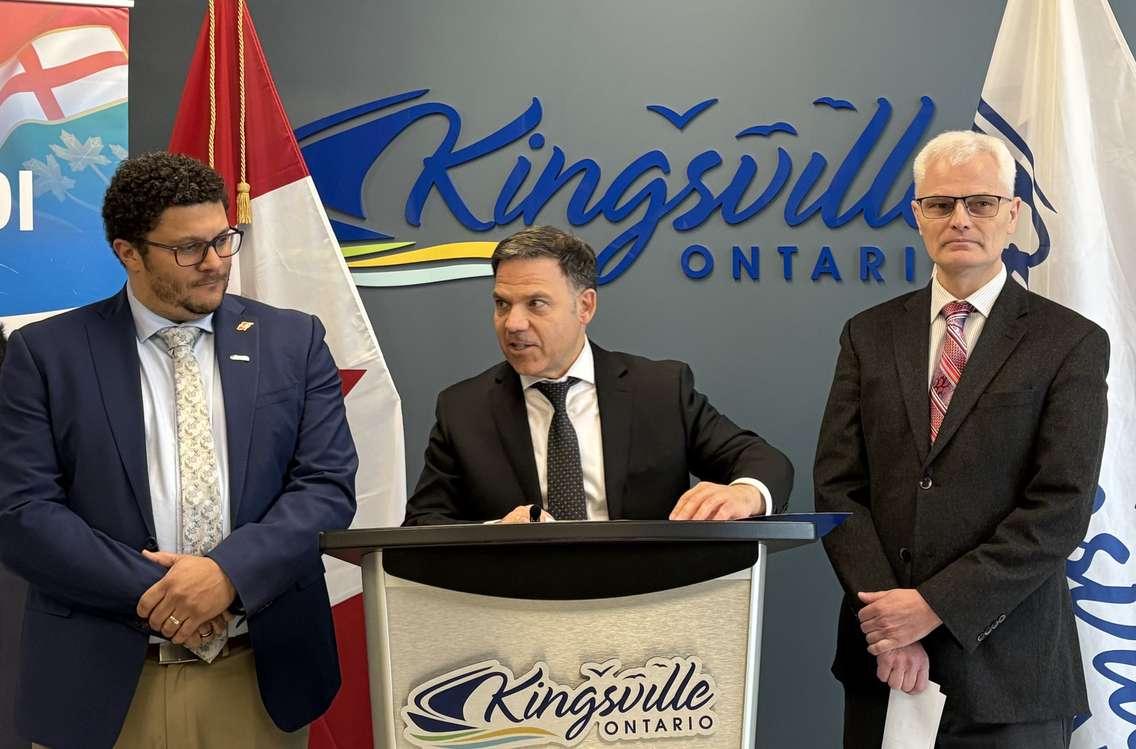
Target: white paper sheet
x,y
913,719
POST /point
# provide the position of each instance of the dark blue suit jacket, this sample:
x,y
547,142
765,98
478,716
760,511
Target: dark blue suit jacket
x,y
75,510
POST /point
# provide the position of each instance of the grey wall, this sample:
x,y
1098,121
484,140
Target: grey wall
x,y
762,351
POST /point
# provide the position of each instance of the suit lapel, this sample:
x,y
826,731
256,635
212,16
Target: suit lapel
x,y
911,336
1000,336
239,378
614,398
114,350
512,421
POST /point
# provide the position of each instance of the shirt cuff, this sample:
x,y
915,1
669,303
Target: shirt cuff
x,y
761,488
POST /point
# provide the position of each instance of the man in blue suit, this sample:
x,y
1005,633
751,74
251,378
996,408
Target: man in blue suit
x,y
170,455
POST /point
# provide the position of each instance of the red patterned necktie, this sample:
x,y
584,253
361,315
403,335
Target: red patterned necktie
x,y
952,362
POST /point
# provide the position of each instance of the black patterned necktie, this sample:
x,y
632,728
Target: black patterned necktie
x,y
566,499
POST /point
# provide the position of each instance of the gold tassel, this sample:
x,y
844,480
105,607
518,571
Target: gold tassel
x,y
244,203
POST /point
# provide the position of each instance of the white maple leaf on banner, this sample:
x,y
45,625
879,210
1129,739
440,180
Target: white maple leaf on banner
x,y
81,155
47,176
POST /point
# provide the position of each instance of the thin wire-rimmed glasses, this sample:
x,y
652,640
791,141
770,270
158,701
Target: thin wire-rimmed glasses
x,y
978,206
225,244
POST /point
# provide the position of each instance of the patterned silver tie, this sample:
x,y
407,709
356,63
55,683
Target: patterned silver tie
x,y
199,494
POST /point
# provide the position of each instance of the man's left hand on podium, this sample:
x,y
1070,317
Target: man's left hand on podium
x,y
710,501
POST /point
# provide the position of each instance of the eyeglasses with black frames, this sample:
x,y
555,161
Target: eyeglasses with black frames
x,y
225,244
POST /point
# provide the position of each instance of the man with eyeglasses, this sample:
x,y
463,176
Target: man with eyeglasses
x,y
170,456
963,431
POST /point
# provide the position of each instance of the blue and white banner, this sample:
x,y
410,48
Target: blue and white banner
x,y
1061,91
63,128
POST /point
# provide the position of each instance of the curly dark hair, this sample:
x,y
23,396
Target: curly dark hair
x,y
144,186
577,259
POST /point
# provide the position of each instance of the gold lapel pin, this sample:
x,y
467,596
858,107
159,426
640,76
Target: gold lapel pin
x,y
244,325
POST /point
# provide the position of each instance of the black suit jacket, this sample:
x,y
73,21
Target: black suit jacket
x,y
980,522
656,430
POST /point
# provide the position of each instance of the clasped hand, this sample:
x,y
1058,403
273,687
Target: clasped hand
x,y
190,603
895,618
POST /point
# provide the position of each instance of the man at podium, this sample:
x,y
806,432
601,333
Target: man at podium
x,y
564,429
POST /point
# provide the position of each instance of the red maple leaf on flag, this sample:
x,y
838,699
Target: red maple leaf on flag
x,y
350,378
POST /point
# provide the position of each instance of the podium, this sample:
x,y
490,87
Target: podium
x,y
567,633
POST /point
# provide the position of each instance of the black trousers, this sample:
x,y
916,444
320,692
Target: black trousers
x,y
865,711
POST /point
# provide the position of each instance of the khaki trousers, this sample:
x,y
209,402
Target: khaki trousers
x,y
203,706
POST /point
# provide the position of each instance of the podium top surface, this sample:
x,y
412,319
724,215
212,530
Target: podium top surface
x,y
777,532
575,560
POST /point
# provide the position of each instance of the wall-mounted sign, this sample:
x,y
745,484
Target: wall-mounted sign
x,y
634,196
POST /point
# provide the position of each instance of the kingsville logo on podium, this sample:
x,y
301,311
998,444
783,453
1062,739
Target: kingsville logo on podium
x,y
485,704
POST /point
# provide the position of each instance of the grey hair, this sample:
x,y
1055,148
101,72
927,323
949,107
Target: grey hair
x,y
960,146
577,260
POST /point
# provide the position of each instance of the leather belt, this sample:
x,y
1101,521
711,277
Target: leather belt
x,y
168,654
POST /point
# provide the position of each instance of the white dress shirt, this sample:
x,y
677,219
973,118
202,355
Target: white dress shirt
x,y
982,301
583,409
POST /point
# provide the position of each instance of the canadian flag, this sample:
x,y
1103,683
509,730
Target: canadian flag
x,y
65,69
231,116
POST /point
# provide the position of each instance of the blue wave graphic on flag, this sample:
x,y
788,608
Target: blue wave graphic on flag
x,y
1017,260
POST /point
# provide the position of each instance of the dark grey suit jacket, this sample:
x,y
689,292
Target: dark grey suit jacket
x,y
656,430
982,521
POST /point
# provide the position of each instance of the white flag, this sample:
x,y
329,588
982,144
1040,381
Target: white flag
x,y
1061,91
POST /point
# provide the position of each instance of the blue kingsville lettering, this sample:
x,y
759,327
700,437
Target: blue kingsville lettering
x,y
639,197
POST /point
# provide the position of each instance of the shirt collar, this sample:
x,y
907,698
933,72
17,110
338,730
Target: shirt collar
x,y
982,300
583,369
147,322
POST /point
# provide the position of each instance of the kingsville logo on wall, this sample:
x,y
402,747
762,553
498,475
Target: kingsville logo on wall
x,y
485,704
650,189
